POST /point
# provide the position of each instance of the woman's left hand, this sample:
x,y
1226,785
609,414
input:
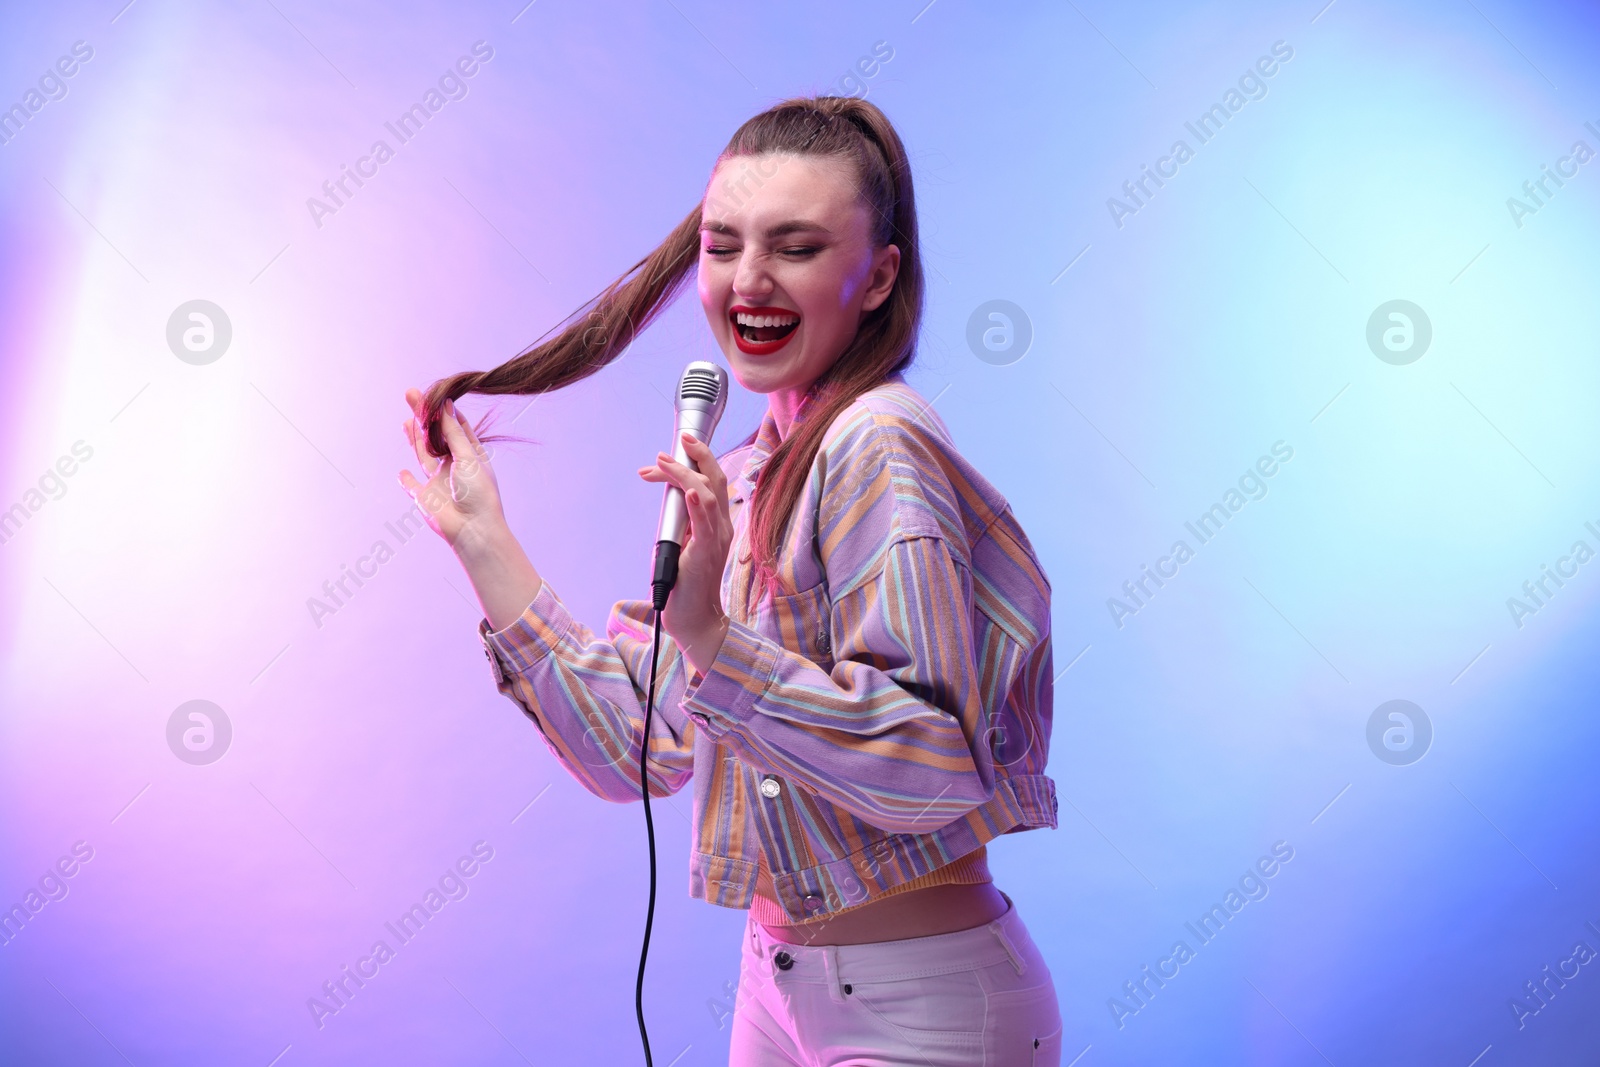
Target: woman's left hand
x,y
694,616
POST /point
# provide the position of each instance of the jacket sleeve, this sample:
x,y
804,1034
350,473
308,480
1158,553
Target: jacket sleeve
x,y
586,693
893,732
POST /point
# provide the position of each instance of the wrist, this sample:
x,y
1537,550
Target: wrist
x,y
484,540
500,571
702,647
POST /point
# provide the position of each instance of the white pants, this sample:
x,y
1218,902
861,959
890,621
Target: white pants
x,y
974,998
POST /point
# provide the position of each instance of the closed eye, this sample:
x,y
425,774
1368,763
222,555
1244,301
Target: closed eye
x,y
719,250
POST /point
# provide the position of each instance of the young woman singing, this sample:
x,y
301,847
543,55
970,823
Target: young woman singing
x,y
855,671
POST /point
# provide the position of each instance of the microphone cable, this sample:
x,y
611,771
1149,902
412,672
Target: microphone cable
x,y
659,591
701,397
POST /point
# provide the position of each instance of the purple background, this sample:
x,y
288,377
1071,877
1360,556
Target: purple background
x,y
1168,353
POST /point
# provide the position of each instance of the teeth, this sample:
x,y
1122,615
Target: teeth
x,y
746,319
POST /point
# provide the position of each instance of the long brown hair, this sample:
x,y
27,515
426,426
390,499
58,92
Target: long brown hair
x,y
845,128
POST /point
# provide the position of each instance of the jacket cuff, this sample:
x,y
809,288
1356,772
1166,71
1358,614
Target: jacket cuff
x,y
726,695
533,636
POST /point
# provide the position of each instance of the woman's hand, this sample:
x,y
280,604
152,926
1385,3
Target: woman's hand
x,y
461,499
694,615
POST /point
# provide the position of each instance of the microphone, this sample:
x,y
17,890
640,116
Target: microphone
x,y
702,396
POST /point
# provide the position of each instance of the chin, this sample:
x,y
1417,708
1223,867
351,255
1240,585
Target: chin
x,y
754,373
753,380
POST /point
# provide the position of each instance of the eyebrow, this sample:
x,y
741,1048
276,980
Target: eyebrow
x,y
782,229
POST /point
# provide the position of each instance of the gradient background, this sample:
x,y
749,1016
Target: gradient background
x,y
1228,314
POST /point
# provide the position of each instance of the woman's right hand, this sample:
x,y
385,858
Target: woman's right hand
x,y
461,498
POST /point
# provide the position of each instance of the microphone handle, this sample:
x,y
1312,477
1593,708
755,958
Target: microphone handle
x,y
674,525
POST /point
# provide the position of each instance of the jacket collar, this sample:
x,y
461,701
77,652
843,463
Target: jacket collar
x,y
767,439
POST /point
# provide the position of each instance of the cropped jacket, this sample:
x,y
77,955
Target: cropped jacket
x,y
885,714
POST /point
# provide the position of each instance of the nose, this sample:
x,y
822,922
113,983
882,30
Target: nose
x,y
752,282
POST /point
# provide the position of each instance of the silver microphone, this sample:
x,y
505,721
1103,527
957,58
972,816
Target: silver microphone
x,y
702,397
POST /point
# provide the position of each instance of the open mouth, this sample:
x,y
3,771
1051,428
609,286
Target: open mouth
x,y
759,331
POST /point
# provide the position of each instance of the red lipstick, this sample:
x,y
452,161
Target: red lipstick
x,y
765,347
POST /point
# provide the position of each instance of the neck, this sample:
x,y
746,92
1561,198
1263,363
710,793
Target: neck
x,y
784,404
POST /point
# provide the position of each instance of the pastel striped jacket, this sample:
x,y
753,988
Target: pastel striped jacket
x,y
889,716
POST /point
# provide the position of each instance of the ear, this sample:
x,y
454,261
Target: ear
x,y
885,268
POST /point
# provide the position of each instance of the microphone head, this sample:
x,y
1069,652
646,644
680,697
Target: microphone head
x,y
704,388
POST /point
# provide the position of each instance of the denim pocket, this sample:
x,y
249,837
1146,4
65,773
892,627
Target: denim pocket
x,y
1024,1028
940,1008
1047,1050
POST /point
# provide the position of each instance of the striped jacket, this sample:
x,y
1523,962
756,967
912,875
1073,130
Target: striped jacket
x,y
888,717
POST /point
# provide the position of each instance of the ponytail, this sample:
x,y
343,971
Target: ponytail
x,y
598,336
840,127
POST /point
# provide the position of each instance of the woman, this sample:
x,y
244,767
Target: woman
x,y
856,663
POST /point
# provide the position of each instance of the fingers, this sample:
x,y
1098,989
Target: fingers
x,y
472,434
683,477
414,434
452,425
709,527
708,482
706,460
417,491
418,435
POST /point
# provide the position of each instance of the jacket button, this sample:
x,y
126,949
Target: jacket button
x,y
811,903
783,960
770,788
699,717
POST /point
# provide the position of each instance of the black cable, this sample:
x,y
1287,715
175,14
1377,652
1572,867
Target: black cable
x,y
650,830
661,583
